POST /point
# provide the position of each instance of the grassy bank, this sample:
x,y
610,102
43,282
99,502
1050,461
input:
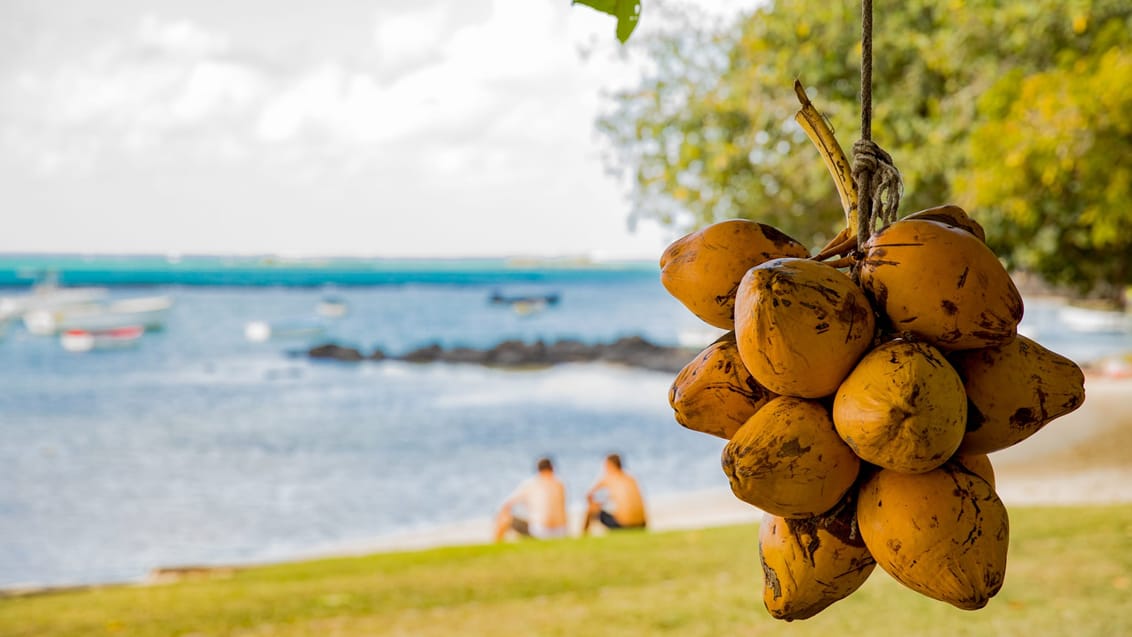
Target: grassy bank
x,y
1069,573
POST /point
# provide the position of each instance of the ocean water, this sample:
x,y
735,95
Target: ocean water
x,y
198,447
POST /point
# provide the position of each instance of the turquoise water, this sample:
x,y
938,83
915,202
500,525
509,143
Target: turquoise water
x,y
23,270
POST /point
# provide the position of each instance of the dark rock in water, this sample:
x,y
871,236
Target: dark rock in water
x,y
570,351
629,347
631,351
427,354
516,353
638,352
332,351
465,355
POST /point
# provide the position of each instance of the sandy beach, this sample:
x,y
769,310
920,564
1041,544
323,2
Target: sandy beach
x,y
1081,458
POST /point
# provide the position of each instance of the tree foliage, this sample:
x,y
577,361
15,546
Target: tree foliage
x,y
709,132
1052,163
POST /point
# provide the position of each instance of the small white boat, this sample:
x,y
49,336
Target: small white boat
x,y
85,340
529,307
525,304
262,331
332,307
147,312
541,300
48,296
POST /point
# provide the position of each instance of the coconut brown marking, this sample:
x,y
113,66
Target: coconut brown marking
x,y
771,578
963,277
778,237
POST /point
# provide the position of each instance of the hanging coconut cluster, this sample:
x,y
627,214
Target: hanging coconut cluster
x,y
860,396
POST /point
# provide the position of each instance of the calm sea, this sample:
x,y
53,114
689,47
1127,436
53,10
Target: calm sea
x,y
199,447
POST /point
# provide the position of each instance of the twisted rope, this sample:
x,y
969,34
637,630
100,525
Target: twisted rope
x,y
879,185
875,173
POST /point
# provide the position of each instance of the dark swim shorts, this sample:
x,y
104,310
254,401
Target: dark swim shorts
x,y
608,521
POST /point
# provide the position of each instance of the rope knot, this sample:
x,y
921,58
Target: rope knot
x,y
879,184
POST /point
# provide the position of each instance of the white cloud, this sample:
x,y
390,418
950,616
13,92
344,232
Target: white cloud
x,y
480,124
216,86
458,77
314,97
407,40
133,93
517,70
430,78
180,37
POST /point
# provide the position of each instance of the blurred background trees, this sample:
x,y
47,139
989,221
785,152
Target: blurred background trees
x,y
1019,111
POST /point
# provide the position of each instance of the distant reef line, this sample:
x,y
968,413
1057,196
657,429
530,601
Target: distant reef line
x,y
630,351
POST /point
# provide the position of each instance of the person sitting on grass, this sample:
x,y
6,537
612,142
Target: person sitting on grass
x,y
624,508
543,500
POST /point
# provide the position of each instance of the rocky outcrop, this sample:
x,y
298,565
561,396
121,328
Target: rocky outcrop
x,y
427,354
631,351
335,352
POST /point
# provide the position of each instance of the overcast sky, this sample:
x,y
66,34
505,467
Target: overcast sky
x,y
425,128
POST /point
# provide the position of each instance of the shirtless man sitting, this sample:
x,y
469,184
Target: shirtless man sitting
x,y
623,508
543,499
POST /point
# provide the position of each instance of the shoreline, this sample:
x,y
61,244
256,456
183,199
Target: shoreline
x,y
1080,459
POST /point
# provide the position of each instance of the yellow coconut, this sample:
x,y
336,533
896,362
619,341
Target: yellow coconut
x,y
943,533
788,461
703,268
801,326
902,407
715,394
952,216
942,284
977,463
1014,390
810,563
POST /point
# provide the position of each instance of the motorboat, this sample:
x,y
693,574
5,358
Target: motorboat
x,y
332,307
529,307
147,312
525,304
49,296
545,300
76,340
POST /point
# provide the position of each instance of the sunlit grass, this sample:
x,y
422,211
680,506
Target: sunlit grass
x,y
1069,573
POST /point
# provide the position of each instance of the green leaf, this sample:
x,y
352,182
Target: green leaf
x,y
627,12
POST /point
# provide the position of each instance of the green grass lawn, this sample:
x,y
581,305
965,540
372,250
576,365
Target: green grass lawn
x,y
1069,573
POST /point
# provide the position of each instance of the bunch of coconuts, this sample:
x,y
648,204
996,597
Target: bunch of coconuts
x,y
859,412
